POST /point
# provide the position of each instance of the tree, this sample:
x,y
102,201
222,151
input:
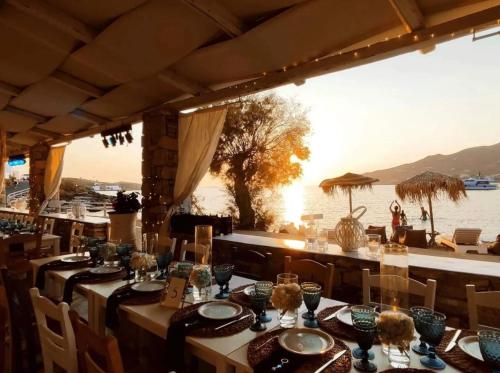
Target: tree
x,y
255,153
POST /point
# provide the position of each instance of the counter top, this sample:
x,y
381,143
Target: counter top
x,y
86,220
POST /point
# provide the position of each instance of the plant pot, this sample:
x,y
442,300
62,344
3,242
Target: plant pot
x,y
123,227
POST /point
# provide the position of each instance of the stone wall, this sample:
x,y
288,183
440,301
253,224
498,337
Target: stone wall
x,y
38,160
159,166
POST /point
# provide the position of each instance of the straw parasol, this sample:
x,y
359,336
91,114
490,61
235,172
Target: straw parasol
x,y
346,183
431,185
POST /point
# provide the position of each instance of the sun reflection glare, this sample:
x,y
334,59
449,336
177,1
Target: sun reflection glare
x,y
293,200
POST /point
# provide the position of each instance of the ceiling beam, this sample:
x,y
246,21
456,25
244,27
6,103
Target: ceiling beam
x,y
25,113
182,83
223,18
378,51
78,84
409,13
56,18
88,117
45,133
9,89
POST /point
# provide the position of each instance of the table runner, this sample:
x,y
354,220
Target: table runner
x,y
457,357
238,296
56,265
86,277
126,295
187,321
264,352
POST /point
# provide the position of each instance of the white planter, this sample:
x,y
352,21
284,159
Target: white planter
x,y
123,227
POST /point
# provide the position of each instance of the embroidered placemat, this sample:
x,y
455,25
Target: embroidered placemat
x,y
266,346
237,295
207,327
457,357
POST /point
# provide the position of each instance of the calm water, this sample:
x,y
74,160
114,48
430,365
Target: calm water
x,y
480,210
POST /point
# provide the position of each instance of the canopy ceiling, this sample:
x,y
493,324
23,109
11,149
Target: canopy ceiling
x,y
73,68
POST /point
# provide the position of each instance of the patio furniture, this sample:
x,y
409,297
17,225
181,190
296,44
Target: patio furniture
x,y
48,225
94,350
57,348
373,229
415,238
76,233
312,271
464,240
475,299
18,247
250,263
188,251
427,290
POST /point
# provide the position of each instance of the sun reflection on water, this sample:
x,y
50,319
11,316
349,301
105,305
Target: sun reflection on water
x,y
293,200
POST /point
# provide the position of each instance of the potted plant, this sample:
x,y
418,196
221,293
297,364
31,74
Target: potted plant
x,y
123,218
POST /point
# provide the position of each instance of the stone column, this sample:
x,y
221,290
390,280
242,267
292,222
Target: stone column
x,y
38,160
159,165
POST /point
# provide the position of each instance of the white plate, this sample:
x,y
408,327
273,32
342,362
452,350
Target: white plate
x,y
248,290
75,259
344,316
304,341
149,286
104,270
220,310
470,345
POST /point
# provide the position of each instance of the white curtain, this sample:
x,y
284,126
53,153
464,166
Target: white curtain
x,y
53,174
199,135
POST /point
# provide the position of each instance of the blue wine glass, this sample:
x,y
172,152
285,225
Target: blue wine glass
x,y
265,288
163,259
489,345
365,330
258,303
433,328
418,314
311,293
223,273
362,312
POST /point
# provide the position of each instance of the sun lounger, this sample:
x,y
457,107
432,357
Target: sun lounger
x,y
464,240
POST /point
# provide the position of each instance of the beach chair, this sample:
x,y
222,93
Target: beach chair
x,y
463,240
475,299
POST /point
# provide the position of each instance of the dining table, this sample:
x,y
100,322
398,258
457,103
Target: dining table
x,y
226,354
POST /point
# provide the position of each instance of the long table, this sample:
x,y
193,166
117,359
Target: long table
x,y
227,354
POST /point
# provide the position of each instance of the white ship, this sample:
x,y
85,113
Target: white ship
x,y
479,184
106,188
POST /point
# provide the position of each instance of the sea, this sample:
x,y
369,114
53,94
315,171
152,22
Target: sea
x,y
481,209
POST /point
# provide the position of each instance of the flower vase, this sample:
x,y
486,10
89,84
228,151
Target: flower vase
x,y
288,318
141,274
398,357
201,280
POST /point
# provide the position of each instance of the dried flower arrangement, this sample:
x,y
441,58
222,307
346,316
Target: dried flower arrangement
x,y
395,328
287,297
142,260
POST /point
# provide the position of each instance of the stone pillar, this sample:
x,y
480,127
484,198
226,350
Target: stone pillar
x,y
38,160
159,165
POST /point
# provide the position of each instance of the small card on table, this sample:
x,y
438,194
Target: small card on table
x,y
174,294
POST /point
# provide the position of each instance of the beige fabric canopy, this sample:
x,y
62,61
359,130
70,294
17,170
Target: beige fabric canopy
x,y
74,68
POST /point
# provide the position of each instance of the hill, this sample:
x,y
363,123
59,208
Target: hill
x,y
467,162
87,184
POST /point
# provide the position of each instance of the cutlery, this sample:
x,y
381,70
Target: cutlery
x,y
453,341
334,314
232,322
266,342
325,365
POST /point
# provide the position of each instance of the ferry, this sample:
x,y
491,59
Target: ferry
x,y
479,184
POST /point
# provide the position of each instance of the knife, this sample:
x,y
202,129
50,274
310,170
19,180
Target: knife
x,y
453,341
232,322
325,365
334,314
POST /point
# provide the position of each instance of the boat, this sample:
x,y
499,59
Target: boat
x,y
479,184
106,188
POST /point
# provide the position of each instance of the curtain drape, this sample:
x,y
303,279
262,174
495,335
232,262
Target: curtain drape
x,y
3,159
199,135
53,174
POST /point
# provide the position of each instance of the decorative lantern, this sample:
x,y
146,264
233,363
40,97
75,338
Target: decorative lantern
x,y
349,232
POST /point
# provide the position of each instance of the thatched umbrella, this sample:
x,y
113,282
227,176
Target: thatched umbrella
x,y
346,183
431,185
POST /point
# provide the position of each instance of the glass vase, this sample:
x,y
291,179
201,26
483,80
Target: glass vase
x,y
288,318
201,280
394,280
150,248
398,357
141,275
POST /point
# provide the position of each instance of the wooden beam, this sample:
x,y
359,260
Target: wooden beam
x,y
25,113
9,89
78,84
88,117
56,18
44,132
382,50
409,13
180,82
215,11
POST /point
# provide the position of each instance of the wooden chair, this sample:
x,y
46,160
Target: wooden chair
x,y
250,264
48,226
4,339
313,271
24,347
19,247
96,354
167,244
490,299
75,234
29,219
190,248
427,290
57,349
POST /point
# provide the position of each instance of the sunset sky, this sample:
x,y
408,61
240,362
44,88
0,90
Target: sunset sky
x,y
371,117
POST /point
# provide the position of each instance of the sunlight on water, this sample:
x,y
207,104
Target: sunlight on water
x,y
293,202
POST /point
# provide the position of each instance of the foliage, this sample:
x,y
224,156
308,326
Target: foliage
x,y
254,154
126,203
196,206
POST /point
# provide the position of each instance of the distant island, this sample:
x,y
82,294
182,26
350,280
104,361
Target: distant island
x,y
484,160
71,187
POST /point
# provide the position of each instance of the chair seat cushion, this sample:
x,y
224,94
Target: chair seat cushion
x,y
416,238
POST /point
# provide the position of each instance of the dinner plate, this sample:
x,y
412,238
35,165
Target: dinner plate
x,y
220,310
248,290
344,316
304,341
104,270
149,286
75,259
470,345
